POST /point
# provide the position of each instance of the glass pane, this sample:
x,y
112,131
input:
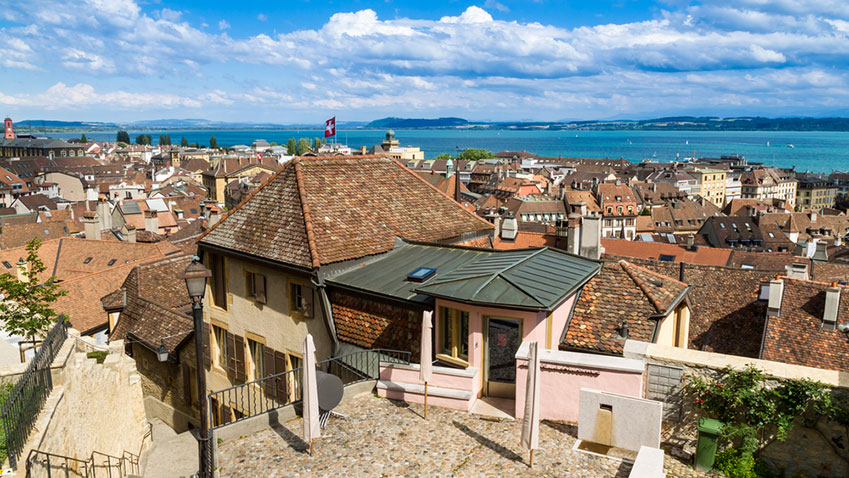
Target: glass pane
x,y
503,342
463,346
445,327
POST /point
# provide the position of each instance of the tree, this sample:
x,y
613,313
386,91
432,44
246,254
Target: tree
x,y
472,154
184,142
143,139
272,143
213,143
123,137
164,140
83,139
444,156
303,146
291,147
26,309
317,143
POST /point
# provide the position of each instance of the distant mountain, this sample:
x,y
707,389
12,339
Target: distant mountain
x,y
82,125
417,123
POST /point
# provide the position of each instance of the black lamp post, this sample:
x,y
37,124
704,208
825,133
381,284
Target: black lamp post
x,y
195,276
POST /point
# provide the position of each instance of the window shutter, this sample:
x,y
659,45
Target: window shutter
x,y
187,385
241,371
259,288
307,301
231,354
270,369
207,358
280,382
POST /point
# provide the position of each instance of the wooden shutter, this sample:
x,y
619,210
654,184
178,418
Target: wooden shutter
x,y
207,358
231,354
187,384
270,369
307,293
280,382
259,288
241,371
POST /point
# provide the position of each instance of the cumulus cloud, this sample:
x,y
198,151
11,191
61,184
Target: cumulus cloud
x,y
468,60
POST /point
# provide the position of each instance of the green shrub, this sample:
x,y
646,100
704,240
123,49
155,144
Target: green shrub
x,y
736,464
5,390
100,355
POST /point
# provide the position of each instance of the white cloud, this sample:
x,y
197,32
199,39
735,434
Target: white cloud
x,y
223,25
262,17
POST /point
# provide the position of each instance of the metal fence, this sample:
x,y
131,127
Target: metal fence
x,y
42,464
28,395
259,396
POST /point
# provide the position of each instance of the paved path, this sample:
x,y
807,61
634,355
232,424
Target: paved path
x,y
385,438
172,455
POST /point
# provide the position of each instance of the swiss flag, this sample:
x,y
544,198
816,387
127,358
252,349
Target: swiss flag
x,y
330,127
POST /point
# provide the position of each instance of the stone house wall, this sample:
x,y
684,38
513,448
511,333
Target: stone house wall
x,y
164,386
816,448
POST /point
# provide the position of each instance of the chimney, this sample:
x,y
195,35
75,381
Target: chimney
x,y
776,291
832,302
104,214
92,225
591,237
813,216
10,130
130,236
214,217
580,208
497,221
510,228
691,242
457,195
573,234
151,222
22,269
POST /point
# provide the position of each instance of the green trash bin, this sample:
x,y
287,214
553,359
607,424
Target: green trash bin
x,y
709,431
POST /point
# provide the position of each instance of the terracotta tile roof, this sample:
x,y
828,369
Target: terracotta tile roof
x,y
320,210
525,240
653,250
370,324
82,303
621,291
796,335
587,197
152,324
20,234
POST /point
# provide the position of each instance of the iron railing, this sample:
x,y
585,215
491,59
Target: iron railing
x,y
40,463
30,392
260,396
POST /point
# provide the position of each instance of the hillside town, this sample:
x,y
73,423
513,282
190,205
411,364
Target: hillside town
x,y
606,283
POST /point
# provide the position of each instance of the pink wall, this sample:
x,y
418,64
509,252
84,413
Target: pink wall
x,y
560,386
396,374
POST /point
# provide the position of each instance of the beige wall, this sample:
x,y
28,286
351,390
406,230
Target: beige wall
x,y
70,188
677,323
270,323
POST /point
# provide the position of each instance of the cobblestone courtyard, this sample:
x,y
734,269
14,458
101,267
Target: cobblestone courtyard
x,y
388,438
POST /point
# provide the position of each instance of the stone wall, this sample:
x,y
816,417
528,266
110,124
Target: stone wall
x,y
164,386
815,448
98,407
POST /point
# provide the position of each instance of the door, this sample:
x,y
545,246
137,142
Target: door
x,y
503,340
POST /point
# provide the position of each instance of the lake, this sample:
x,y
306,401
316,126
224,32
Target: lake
x,y
812,151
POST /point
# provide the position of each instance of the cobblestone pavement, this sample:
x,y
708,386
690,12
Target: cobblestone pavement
x,y
386,438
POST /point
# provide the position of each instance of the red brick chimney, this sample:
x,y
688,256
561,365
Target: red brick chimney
x,y
10,131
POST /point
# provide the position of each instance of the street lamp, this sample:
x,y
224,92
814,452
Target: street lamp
x,y
162,351
195,276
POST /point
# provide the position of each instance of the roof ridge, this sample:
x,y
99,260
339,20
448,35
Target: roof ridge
x,y
305,208
505,269
238,206
643,287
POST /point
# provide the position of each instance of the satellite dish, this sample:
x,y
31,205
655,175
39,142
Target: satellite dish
x,y
329,390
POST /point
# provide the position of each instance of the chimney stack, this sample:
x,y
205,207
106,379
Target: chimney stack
x,y
22,269
776,291
92,225
130,236
573,233
104,214
510,228
151,222
691,242
591,237
832,303
214,216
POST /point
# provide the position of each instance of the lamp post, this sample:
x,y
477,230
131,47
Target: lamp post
x,y
195,276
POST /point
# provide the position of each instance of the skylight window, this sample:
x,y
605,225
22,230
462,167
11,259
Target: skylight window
x,y
667,258
87,260
421,274
112,262
6,263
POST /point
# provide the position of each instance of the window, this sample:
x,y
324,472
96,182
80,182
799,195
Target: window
x,y
300,300
454,334
221,344
256,286
87,260
219,280
112,262
257,350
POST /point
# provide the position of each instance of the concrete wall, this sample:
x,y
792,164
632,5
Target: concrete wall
x,y
563,374
811,449
634,422
98,408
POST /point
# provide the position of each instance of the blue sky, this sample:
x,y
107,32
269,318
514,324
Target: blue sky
x,y
302,61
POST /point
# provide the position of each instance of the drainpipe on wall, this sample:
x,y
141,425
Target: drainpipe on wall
x,y
327,312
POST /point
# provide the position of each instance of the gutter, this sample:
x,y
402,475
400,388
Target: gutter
x,y
327,312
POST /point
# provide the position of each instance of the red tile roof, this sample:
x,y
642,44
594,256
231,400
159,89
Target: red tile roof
x,y
653,250
525,240
321,210
370,324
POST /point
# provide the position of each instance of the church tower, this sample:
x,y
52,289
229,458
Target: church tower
x,y
10,132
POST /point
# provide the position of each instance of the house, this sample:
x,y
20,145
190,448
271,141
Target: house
x,y
682,217
215,180
542,210
270,256
619,208
11,188
768,183
815,193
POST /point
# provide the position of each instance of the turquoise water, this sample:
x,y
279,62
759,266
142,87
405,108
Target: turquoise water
x,y
813,151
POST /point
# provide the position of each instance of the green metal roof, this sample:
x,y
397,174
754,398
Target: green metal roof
x,y
532,279
387,274
535,279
